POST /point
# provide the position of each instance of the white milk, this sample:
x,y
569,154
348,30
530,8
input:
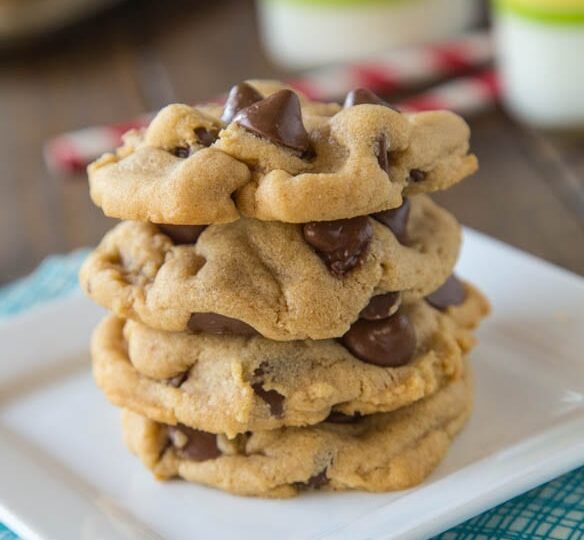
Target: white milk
x,y
304,33
541,60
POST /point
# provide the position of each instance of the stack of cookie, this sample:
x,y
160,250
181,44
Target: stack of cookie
x,y
284,311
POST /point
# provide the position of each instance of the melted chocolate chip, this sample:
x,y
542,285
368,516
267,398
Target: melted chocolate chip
x,y
382,153
273,398
177,380
314,482
416,175
182,234
388,342
181,152
213,323
452,293
396,220
193,444
381,306
240,96
336,417
317,480
206,137
277,118
309,154
341,244
362,96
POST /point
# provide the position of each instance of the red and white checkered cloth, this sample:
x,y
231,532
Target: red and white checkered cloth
x,y
397,70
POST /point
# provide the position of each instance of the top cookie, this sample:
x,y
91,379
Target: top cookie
x,y
274,155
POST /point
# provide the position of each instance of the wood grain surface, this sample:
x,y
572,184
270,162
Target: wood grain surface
x,y
146,53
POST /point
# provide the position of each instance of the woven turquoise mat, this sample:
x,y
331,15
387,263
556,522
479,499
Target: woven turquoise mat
x,y
554,510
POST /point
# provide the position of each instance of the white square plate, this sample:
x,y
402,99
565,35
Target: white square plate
x,y
64,473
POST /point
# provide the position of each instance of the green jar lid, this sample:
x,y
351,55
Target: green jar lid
x,y
567,12
339,3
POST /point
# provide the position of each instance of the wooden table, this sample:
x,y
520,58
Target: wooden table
x,y
135,58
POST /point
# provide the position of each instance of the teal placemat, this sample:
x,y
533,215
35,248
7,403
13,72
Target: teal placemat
x,y
55,277
554,510
6,534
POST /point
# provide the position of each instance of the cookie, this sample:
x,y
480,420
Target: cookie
x,y
380,452
272,154
231,385
285,281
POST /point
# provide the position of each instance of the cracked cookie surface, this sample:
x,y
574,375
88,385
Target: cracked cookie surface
x,y
265,274
380,452
231,384
203,165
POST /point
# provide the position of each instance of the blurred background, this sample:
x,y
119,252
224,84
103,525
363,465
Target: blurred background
x,y
66,65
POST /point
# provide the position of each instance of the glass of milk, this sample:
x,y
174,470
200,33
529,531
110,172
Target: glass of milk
x,y
305,33
541,60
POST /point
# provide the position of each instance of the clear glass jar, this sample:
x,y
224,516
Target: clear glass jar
x,y
540,46
303,33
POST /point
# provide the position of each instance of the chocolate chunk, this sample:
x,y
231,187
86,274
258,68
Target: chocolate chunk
x,y
277,118
416,175
317,480
193,444
341,244
388,343
396,220
182,234
213,323
177,380
240,96
452,293
314,482
381,306
362,96
181,151
273,398
336,417
206,137
382,153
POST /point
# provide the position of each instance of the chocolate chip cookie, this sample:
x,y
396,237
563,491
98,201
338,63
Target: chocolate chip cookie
x,y
272,154
379,452
232,384
284,313
283,281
